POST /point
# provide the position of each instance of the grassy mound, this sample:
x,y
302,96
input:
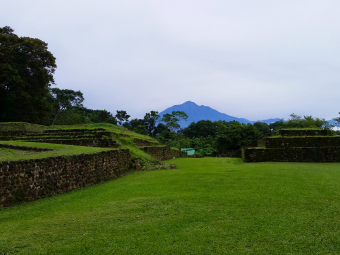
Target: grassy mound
x,y
124,137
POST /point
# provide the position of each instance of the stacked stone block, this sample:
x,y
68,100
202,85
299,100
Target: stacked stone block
x,y
98,137
163,153
28,180
296,146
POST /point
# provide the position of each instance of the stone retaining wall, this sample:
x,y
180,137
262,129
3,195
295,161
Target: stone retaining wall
x,y
178,153
141,142
28,180
321,154
316,141
304,132
163,153
90,142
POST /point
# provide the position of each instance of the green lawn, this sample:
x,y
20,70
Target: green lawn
x,y
206,206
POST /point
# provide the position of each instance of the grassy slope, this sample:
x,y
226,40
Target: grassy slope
x,y
109,127
207,206
125,142
58,150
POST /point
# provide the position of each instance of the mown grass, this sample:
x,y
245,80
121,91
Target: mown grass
x,y
58,150
206,206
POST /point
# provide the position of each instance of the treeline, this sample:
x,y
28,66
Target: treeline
x,y
215,137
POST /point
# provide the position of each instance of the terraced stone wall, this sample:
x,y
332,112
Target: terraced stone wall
x,y
304,132
90,142
141,142
310,154
163,153
28,180
177,154
316,141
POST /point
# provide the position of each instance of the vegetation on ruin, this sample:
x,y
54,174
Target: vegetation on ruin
x,y
206,206
124,137
58,150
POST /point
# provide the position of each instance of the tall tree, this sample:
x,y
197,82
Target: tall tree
x,y
262,127
65,99
202,128
26,73
122,116
233,135
100,116
171,120
150,120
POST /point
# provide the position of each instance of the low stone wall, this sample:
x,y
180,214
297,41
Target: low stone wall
x,y
160,153
100,134
28,180
316,141
25,148
163,153
90,142
178,154
320,154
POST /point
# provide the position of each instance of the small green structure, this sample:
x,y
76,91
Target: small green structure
x,y
189,151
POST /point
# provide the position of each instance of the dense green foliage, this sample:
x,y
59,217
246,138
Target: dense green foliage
x,y
122,116
145,126
214,136
26,73
171,120
206,206
219,136
297,121
65,99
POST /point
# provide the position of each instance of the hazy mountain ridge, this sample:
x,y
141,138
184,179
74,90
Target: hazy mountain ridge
x,y
197,113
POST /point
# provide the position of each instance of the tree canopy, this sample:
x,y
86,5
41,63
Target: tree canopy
x,y
65,99
122,116
26,73
171,120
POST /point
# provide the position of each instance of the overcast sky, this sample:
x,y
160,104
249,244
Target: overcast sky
x,y
251,59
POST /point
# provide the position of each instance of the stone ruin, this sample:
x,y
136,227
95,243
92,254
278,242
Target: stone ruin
x,y
295,146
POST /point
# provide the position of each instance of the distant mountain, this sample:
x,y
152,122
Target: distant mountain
x,y
197,113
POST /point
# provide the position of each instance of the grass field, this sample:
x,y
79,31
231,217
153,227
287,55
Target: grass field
x,y
206,206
